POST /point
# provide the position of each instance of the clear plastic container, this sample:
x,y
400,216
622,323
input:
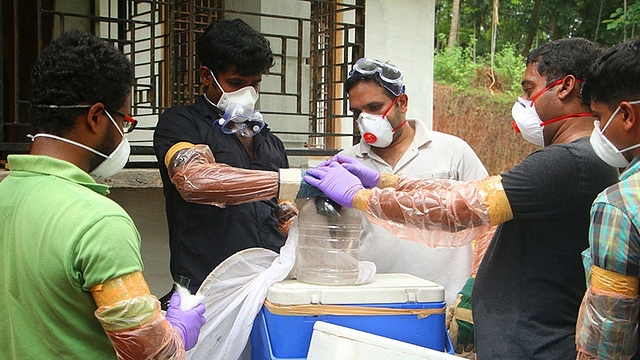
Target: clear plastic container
x,y
329,243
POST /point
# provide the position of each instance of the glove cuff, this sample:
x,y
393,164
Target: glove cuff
x,y
361,199
289,183
387,180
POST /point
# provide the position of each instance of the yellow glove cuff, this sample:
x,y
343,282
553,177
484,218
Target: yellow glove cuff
x,y
607,280
387,180
492,195
174,149
361,199
125,287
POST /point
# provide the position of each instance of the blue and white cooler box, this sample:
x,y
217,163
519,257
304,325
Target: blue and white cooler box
x,y
397,306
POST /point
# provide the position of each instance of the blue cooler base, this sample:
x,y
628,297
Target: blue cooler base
x,y
276,337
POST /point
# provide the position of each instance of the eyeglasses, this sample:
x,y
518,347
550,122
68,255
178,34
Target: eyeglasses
x,y
128,123
390,75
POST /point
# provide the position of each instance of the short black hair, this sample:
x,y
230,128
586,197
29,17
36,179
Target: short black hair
x,y
227,43
77,69
559,58
615,76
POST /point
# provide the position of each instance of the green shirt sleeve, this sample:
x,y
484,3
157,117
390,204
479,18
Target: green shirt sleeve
x,y
108,249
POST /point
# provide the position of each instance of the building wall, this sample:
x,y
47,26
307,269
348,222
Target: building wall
x,y
146,208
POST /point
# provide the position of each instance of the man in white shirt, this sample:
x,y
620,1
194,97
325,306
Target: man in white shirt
x,y
392,144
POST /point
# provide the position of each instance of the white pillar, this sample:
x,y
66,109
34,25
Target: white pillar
x,y
401,32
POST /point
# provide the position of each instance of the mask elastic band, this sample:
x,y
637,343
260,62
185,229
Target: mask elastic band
x,y
399,126
565,117
395,99
557,82
32,137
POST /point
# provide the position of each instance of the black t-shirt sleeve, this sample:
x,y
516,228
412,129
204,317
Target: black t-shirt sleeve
x,y
543,184
175,125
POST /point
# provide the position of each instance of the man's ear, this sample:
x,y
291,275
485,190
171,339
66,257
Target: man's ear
x,y
92,117
629,117
569,84
205,76
403,102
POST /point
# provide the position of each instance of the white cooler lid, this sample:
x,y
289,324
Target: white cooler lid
x,y
384,288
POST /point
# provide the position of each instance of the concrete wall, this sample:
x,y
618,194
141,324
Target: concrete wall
x,y
401,32
146,208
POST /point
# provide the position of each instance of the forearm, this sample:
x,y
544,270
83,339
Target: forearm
x,y
480,246
607,326
198,178
131,318
426,207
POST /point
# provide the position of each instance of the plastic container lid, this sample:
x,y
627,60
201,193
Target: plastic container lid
x,y
384,288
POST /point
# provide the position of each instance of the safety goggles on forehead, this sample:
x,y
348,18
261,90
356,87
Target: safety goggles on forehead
x,y
240,119
390,75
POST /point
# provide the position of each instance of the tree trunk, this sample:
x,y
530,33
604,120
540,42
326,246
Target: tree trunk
x,y
455,21
494,29
595,37
494,40
533,28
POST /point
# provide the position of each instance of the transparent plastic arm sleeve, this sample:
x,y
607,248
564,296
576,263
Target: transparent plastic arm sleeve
x,y
131,318
198,178
607,326
480,246
439,213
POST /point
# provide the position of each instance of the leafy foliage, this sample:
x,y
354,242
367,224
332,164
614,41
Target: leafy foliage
x,y
526,24
457,68
621,19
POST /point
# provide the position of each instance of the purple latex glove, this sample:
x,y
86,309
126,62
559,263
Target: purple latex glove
x,y
187,323
336,182
368,176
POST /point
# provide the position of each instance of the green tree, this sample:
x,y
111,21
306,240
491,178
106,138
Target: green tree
x,y
526,24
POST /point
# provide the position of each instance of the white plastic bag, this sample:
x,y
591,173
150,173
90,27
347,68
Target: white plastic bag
x,y
235,291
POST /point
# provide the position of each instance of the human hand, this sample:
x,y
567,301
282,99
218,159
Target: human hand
x,y
369,177
584,356
335,181
286,212
187,323
460,320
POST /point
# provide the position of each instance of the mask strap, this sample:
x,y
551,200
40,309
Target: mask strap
x,y
557,82
629,148
399,126
32,137
616,113
114,122
217,83
565,117
395,99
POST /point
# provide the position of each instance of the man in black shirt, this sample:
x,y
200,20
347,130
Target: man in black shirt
x,y
216,202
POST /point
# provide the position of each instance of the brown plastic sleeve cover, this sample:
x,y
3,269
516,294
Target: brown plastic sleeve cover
x,y
199,179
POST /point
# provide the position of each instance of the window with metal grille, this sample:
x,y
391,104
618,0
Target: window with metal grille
x,y
314,43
